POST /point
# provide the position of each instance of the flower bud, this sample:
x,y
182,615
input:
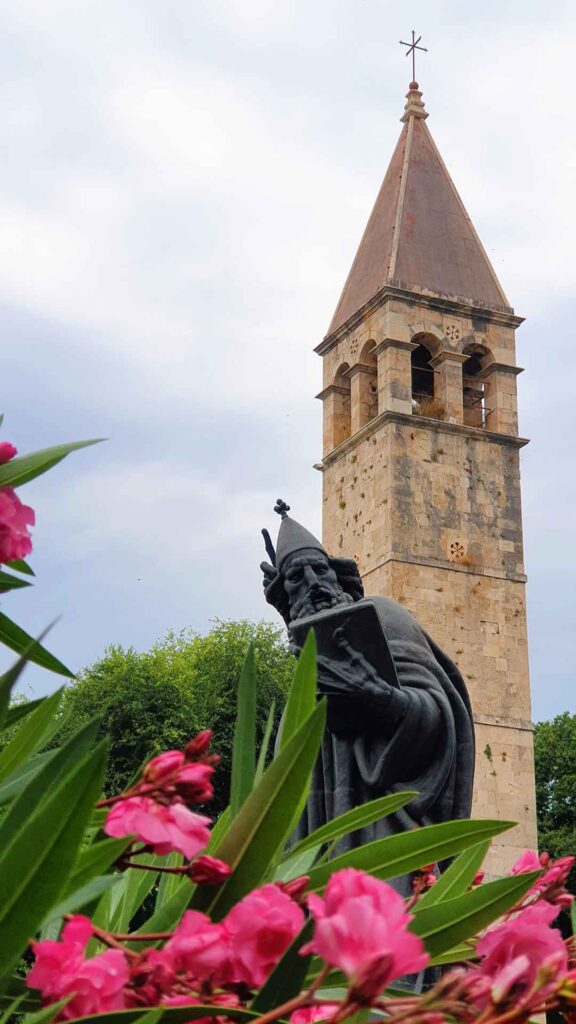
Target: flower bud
x,y
209,871
199,745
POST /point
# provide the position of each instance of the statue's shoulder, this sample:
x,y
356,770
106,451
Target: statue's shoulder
x,y
396,620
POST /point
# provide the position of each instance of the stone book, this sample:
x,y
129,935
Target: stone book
x,y
361,628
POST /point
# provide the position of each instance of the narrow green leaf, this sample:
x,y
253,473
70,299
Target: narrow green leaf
x,y
447,924
32,735
302,696
137,885
95,860
289,975
151,1016
169,884
170,1015
26,467
47,1013
458,877
264,822
20,566
456,955
243,750
39,840
9,582
22,776
263,754
18,640
293,867
75,901
408,851
357,818
19,711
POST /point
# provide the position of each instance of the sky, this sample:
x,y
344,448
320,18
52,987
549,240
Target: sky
x,y
183,186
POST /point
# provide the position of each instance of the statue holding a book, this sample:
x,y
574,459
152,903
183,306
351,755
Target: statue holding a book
x,y
399,716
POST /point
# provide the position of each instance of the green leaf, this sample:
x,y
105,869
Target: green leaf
x,y
265,743
243,751
457,878
32,735
39,840
9,582
20,566
169,884
19,711
137,885
302,697
26,467
86,894
454,956
289,975
408,851
447,924
18,640
23,775
170,1015
95,860
263,824
354,819
47,1013
293,867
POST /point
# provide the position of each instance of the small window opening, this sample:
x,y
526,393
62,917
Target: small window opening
x,y
424,401
474,391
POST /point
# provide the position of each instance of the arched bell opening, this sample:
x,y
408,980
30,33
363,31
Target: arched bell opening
x,y
473,387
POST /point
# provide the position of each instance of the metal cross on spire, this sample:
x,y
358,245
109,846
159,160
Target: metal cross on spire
x,y
412,47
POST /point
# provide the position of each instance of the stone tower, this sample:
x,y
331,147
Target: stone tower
x,y
421,480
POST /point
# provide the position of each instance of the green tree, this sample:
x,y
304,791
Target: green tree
x,y
555,762
158,699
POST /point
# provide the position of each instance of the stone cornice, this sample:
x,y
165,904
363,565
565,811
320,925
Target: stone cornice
x,y
412,419
332,389
453,357
360,368
442,563
500,367
457,305
394,343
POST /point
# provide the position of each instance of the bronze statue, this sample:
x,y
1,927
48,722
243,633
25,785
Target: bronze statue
x,y
399,715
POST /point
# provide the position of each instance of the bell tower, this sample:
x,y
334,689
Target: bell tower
x,y
421,479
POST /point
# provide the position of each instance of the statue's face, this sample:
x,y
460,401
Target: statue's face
x,y
311,583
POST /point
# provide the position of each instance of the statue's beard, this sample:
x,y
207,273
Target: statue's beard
x,y
318,599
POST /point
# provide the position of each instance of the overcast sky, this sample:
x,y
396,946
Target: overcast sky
x,y
183,184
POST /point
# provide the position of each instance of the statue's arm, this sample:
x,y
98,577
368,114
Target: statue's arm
x,y
360,700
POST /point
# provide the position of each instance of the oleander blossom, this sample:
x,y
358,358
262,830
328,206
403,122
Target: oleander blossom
x,y
165,828
172,770
97,984
362,921
518,953
199,949
7,452
551,884
260,928
15,518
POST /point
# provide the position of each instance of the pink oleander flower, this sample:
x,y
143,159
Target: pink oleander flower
x,y
199,949
199,745
209,871
309,1014
15,518
260,929
363,921
60,969
164,828
191,780
7,452
550,886
515,953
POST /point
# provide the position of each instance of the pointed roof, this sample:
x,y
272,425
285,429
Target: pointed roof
x,y
419,233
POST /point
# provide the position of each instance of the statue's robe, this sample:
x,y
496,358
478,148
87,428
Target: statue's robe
x,y
419,736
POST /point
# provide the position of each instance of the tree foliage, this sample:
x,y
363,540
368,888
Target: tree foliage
x,y
555,760
158,699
